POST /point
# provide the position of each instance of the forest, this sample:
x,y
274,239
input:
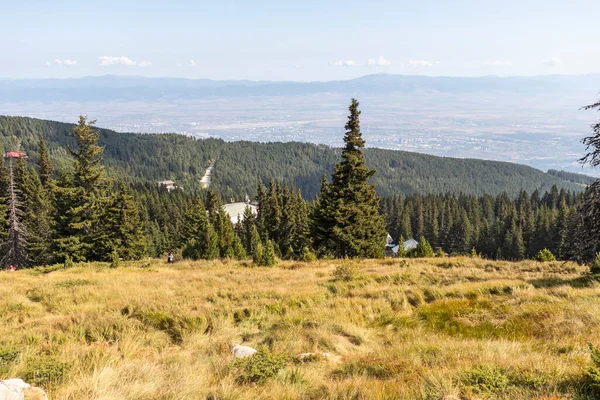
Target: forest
x,y
83,205
238,166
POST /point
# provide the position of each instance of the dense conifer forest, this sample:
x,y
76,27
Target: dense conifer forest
x,y
238,165
73,193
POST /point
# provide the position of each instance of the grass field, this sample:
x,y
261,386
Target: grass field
x,y
396,329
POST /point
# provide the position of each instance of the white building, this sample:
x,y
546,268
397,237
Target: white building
x,y
237,209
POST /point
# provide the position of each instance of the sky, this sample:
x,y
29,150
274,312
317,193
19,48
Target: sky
x,y
297,40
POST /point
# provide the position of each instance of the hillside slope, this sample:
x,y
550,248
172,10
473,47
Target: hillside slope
x,y
238,165
420,329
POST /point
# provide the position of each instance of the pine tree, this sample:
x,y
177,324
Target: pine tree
x,y
358,230
257,247
37,218
239,251
247,226
268,254
80,199
128,236
45,165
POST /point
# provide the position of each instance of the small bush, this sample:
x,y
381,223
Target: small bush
x,y
348,271
259,367
45,371
545,256
423,249
486,379
8,355
114,259
68,262
440,253
595,265
592,374
307,255
73,283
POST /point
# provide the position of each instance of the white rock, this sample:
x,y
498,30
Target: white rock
x,y
242,351
17,389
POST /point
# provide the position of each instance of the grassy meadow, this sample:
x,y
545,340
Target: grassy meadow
x,y
450,328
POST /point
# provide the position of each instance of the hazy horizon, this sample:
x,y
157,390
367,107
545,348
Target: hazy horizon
x,y
298,41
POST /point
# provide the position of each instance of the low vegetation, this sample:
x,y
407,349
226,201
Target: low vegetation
x,y
377,329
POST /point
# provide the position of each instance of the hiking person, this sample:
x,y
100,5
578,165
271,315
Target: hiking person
x,y
170,257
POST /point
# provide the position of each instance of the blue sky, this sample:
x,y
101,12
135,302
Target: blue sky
x,y
297,40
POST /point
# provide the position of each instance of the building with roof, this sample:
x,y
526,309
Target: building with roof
x,y
235,210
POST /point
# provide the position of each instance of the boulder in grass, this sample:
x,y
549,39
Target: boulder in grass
x,y
240,351
17,389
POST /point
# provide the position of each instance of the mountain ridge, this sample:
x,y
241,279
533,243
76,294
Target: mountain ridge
x,y
239,165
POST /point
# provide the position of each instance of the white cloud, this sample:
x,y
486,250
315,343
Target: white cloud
x,y
552,62
192,63
379,62
420,63
66,63
108,61
344,63
497,63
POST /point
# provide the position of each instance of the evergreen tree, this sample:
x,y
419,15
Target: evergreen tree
x,y
268,254
247,225
257,247
358,230
81,200
37,218
128,236
45,165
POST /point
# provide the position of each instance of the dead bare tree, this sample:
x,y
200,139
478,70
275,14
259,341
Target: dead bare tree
x,y
15,246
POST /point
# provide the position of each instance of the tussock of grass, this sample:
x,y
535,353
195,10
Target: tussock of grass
x,y
424,329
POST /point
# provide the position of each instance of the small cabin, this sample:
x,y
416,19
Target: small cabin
x,y
15,154
169,185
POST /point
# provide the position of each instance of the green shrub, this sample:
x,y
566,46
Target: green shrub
x,y
440,253
423,249
307,255
73,283
592,374
45,371
259,367
8,355
114,259
348,271
268,255
68,262
595,265
545,256
486,379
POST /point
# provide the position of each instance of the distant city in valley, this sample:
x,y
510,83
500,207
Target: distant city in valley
x,y
535,121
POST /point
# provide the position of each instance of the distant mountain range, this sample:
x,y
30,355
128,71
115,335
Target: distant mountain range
x,y
238,166
128,88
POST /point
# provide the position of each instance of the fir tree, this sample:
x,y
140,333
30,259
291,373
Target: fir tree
x,y
358,230
45,165
247,225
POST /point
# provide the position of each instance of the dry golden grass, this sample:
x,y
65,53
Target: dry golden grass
x,y
426,329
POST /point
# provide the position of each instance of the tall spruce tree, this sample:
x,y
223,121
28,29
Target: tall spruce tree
x,y
357,229
81,199
45,165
